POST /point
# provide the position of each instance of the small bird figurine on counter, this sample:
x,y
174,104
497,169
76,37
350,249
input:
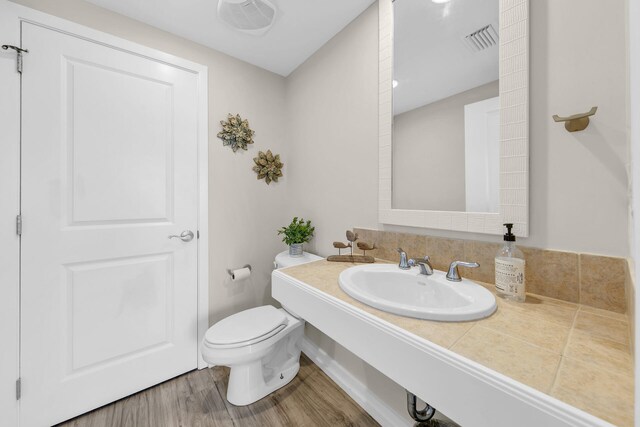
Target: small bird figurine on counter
x,y
352,237
364,247
339,246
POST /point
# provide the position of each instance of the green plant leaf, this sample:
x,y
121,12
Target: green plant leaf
x,y
299,231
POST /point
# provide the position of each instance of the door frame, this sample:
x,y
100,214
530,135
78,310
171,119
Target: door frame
x,y
11,17
633,296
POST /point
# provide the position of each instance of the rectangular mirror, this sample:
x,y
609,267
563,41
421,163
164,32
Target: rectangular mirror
x,y
454,114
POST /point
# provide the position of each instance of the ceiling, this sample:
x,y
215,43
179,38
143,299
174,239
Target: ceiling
x,y
301,27
431,60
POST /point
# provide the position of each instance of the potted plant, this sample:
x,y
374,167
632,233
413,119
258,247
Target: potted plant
x,y
296,234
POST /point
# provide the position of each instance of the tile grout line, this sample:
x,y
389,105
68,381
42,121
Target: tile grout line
x,y
579,279
601,312
462,336
614,319
555,378
573,327
564,349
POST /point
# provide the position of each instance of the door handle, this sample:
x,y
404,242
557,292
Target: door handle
x,y
185,236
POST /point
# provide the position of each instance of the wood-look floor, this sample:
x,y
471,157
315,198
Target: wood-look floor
x,y
197,399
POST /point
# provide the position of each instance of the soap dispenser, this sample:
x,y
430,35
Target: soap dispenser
x,y
510,263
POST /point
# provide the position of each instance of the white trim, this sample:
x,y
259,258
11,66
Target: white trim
x,y
448,381
514,135
359,392
9,208
203,209
633,13
86,33
17,13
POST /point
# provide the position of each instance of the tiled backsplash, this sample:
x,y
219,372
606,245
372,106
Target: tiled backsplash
x,y
598,281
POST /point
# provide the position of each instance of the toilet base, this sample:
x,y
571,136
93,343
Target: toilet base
x,y
247,386
251,381
262,367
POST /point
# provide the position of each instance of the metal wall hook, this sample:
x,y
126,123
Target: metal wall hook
x,y
19,52
16,48
577,121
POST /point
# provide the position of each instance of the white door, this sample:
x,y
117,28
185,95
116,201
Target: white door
x,y
9,208
481,155
109,171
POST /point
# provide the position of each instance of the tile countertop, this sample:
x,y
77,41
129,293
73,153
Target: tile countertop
x,y
575,353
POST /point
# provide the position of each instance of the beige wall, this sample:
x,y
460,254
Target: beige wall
x,y
244,212
429,152
328,138
579,184
578,198
332,105
633,297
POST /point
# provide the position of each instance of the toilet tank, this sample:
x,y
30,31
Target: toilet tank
x,y
283,259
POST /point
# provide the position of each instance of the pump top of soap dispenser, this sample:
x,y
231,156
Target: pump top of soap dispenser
x,y
509,237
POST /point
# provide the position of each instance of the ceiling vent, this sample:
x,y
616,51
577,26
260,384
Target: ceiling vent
x,y
253,17
482,39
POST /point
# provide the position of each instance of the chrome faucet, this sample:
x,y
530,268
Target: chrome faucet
x,y
403,264
454,275
425,266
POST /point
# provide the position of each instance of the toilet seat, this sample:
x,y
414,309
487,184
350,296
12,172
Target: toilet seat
x,y
246,328
261,346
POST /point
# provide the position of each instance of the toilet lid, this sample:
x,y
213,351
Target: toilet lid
x,y
247,326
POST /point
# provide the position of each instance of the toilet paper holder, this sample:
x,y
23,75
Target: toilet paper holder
x,y
230,271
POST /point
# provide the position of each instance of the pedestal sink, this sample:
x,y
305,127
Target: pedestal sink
x,y
409,293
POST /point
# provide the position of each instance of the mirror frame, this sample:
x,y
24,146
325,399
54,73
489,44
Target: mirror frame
x,y
514,131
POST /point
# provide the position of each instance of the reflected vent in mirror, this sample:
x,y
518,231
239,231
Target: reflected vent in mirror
x,y
484,38
249,16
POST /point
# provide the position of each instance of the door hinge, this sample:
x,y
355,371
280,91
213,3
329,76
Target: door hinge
x,y
19,53
18,388
19,225
197,234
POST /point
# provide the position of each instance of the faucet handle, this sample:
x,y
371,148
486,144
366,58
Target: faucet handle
x,y
453,274
403,264
425,259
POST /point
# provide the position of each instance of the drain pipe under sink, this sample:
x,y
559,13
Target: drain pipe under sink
x,y
419,415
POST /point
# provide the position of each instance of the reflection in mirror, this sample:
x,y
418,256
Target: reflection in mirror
x,y
446,124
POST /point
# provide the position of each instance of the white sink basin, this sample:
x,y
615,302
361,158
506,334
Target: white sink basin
x,y
408,293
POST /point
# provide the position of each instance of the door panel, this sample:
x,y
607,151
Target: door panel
x,y
133,139
109,171
117,309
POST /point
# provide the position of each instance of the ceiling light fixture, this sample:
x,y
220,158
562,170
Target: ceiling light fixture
x,y
440,1
253,17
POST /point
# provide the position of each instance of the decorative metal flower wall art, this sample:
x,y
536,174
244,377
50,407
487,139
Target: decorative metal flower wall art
x,y
236,132
268,166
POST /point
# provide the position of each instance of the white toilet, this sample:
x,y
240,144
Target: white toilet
x,y
260,345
